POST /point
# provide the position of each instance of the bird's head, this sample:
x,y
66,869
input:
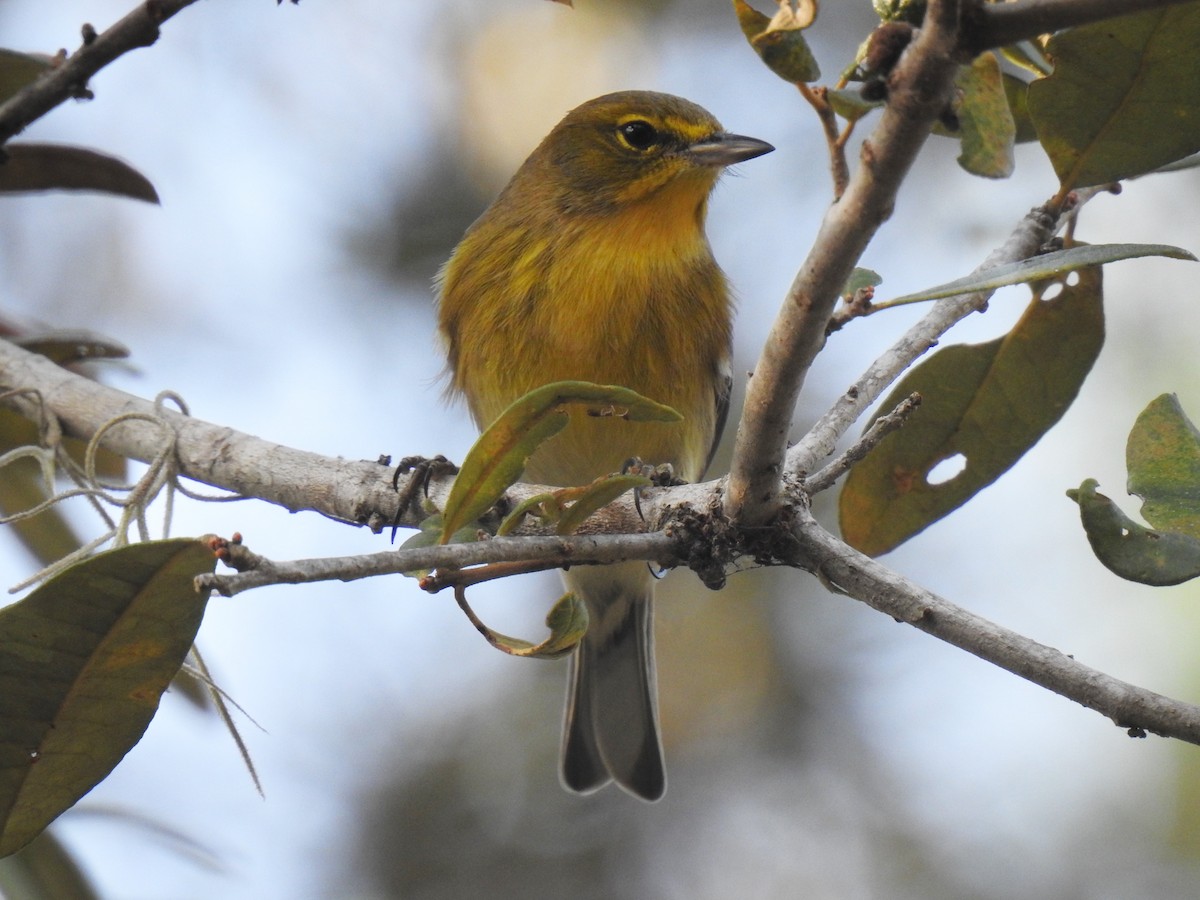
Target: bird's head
x,y
625,147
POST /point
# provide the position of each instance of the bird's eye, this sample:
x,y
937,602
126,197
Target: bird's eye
x,y
638,134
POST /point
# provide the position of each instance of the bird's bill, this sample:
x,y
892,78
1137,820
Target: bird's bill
x,y
727,149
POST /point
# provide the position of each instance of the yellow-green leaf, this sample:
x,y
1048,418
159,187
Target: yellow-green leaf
x,y
986,126
1045,265
48,535
983,406
567,621
1130,550
430,535
778,40
1163,457
44,870
19,69
1124,97
860,278
84,660
904,10
46,167
65,346
1016,91
498,458
850,104
597,495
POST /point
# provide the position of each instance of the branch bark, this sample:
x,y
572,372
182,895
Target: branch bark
x,y
991,25
570,550
350,491
69,79
1033,231
362,493
865,579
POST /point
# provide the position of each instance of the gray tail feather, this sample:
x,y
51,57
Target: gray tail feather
x,y
611,728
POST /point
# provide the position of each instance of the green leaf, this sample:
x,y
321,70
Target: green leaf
x,y
982,404
1163,457
84,660
567,621
1045,265
45,167
597,495
64,346
778,40
498,458
44,870
430,535
1130,550
859,279
1124,97
49,536
986,126
19,69
1029,56
850,103
905,10
1016,92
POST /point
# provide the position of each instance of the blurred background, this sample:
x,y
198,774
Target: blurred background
x,y
316,164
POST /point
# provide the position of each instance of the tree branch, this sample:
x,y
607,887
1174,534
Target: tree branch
x,y
256,571
69,79
990,25
918,91
1129,706
880,428
356,492
1030,235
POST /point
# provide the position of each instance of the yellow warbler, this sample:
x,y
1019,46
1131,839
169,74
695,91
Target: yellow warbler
x,y
592,264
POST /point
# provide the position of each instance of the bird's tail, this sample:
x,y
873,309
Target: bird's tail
x,y
611,727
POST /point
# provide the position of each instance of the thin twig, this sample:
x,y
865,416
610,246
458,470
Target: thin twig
x,y
880,428
69,79
440,579
1031,233
836,142
573,550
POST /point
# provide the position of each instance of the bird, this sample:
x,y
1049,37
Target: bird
x,y
593,264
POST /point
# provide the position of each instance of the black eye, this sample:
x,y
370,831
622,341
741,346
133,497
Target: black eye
x,y
638,134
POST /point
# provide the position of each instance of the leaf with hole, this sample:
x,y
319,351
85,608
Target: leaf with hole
x,y
987,402
84,660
